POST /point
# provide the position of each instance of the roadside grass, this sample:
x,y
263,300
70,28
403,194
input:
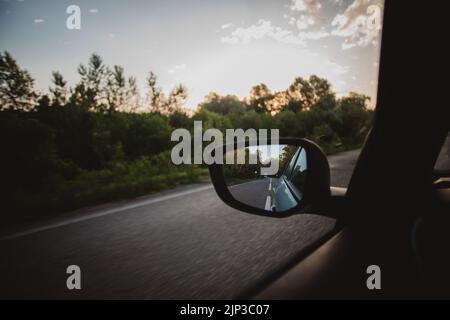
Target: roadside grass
x,y
120,180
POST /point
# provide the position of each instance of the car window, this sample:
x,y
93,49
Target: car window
x,y
288,170
298,176
443,161
92,94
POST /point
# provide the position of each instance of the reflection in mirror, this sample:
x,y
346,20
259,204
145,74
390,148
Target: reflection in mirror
x,y
279,191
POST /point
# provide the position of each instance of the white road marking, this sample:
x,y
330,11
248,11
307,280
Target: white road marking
x,y
105,212
270,184
268,203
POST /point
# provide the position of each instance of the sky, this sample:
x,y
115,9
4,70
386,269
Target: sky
x,y
223,46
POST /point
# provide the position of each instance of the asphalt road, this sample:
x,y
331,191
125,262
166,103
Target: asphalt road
x,y
253,193
180,244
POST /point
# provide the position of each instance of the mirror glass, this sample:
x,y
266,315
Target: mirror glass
x,y
271,178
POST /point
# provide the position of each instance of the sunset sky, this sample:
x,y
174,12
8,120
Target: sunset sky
x,y
222,46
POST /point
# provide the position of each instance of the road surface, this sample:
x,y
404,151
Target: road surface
x,y
180,244
256,193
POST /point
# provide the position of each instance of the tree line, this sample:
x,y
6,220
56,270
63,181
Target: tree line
x,y
101,139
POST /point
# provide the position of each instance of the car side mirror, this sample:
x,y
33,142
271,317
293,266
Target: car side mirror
x,y
301,178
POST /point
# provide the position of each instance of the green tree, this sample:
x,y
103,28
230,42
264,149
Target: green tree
x,y
132,95
260,97
288,124
92,85
357,100
28,154
116,89
59,89
16,85
224,105
146,134
306,94
177,97
179,119
324,97
158,102
355,119
250,120
212,120
301,95
155,95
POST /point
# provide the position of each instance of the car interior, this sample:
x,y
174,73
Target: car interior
x,y
395,212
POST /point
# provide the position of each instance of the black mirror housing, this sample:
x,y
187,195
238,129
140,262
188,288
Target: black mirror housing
x,y
316,189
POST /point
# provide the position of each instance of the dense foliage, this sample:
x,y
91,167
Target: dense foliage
x,y
100,141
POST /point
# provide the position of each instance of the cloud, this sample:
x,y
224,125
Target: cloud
x,y
353,24
310,6
262,29
227,25
303,22
309,10
38,21
314,35
336,68
256,31
306,21
230,40
265,29
177,68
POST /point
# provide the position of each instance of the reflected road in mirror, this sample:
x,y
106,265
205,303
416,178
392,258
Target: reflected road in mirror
x,y
256,193
276,193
